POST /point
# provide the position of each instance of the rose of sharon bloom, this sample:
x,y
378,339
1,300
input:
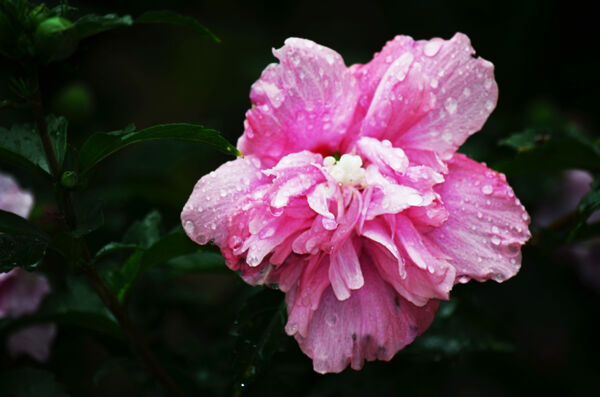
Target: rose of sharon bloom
x,y
366,244
21,292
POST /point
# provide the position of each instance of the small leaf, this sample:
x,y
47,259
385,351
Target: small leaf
x,y
123,280
172,18
90,217
587,206
101,145
560,150
170,246
21,243
113,247
525,140
30,382
90,25
198,262
146,232
22,146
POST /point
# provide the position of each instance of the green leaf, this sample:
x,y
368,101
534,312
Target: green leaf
x,y
146,232
143,234
113,247
259,329
198,262
22,146
459,327
101,145
172,18
30,382
560,150
90,217
90,25
525,140
123,280
78,305
587,206
21,243
170,246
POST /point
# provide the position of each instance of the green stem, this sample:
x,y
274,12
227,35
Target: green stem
x,y
136,340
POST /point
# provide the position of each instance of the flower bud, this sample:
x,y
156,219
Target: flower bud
x,y
55,39
69,179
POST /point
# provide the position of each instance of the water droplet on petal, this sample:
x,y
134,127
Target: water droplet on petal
x,y
467,91
188,226
487,189
487,84
450,104
495,240
463,279
495,229
489,105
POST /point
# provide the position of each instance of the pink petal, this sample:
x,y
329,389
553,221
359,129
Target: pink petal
x,y
34,341
306,102
344,271
373,324
21,292
487,225
388,159
447,93
13,198
214,198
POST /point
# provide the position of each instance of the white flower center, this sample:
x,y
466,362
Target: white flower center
x,y
347,171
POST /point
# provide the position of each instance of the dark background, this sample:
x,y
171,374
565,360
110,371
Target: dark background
x,y
534,333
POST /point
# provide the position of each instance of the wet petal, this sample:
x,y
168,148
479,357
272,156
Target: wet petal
x,y
306,102
214,198
447,94
373,324
487,225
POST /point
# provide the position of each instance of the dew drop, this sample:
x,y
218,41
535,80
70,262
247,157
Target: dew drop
x,y
434,83
495,229
188,226
495,240
467,91
511,250
450,104
487,189
463,279
487,84
489,105
479,215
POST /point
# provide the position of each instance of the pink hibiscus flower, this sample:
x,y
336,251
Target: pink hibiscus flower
x,y
366,244
21,292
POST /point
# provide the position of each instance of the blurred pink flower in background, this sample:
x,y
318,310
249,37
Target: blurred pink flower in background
x,y
351,197
572,186
21,292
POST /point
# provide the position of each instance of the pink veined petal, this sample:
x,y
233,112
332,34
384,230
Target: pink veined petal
x,y
13,198
388,159
34,341
373,324
487,225
306,297
450,93
306,102
21,292
344,271
214,198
